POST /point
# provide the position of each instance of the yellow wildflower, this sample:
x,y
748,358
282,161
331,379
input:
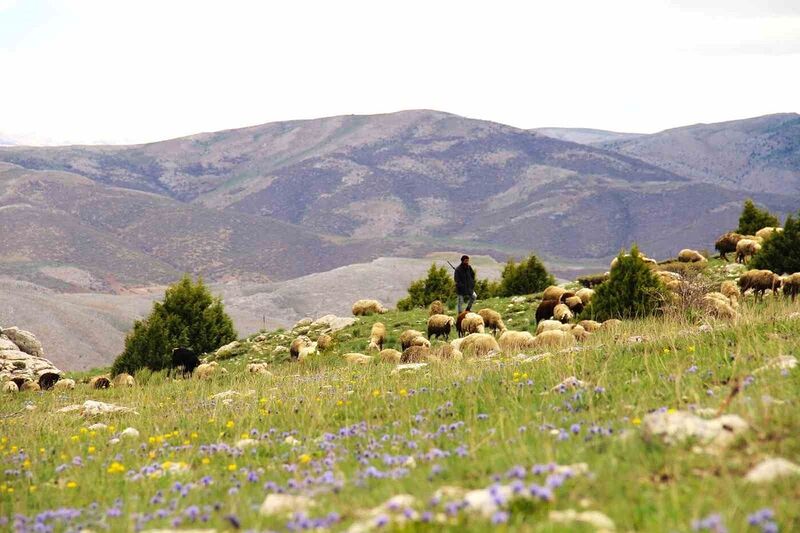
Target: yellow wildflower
x,y
232,467
72,484
305,458
115,468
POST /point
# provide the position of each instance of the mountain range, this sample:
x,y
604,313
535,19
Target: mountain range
x,y
269,203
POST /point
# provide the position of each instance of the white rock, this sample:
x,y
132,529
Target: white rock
x,y
115,440
335,323
246,443
97,427
408,367
291,441
94,408
25,340
482,501
131,433
782,362
275,504
225,395
227,350
518,300
680,426
594,518
6,344
769,470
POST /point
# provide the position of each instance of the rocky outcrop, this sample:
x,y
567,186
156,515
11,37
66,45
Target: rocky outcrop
x,y
21,359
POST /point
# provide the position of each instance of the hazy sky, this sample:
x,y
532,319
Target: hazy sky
x,y
88,71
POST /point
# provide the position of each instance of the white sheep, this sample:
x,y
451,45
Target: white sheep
x,y
472,323
562,313
377,336
688,255
368,307
745,249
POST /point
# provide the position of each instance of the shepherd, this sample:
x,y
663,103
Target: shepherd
x,y
464,276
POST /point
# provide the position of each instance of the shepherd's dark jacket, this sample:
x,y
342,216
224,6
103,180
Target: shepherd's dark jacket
x,y
464,277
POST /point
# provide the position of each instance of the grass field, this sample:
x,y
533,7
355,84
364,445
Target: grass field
x,y
348,438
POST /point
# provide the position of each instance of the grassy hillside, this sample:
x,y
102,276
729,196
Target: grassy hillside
x,y
351,437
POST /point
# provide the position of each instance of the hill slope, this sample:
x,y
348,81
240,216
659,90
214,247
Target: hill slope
x,y
759,154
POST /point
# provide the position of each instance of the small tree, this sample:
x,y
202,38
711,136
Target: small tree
x,y
527,277
753,219
189,317
781,252
632,290
438,285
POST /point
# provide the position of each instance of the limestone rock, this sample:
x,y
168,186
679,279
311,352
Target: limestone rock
x,y
333,322
782,362
224,352
595,519
279,504
94,408
21,366
769,470
679,426
25,340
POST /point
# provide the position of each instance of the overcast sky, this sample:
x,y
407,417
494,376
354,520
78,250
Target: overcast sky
x,y
108,71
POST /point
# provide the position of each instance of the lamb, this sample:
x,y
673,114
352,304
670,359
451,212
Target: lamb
x,y
48,379
492,319
553,338
759,281
100,382
446,351
579,333
691,256
649,261
590,325
472,323
547,325
745,249
368,307
766,233
791,285
377,336
720,306
585,295
440,325
727,244
390,356
184,358
515,340
324,342
553,292
415,354
357,358
259,368
545,309
64,384
730,289
10,386
208,370
477,344
124,379
562,313
302,347
611,323
436,308
412,337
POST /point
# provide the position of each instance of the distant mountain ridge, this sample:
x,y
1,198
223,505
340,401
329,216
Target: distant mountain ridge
x,y
285,199
756,154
